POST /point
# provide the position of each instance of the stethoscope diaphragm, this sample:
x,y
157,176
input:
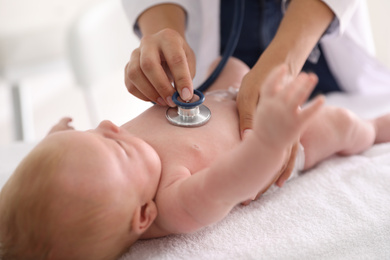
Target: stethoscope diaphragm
x,y
188,114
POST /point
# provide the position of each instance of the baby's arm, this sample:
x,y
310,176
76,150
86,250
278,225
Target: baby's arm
x,y
62,125
207,196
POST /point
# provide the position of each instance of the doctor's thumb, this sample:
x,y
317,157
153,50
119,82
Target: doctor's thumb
x,y
246,113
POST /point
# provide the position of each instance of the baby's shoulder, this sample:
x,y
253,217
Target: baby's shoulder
x,y
172,214
171,175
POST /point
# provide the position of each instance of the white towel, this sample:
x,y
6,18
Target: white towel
x,y
338,210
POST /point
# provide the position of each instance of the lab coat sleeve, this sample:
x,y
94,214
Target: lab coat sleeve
x,y
343,10
134,8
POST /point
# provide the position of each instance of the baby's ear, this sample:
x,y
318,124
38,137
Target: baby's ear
x,y
143,217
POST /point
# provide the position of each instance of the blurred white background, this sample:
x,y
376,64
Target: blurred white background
x,y
35,42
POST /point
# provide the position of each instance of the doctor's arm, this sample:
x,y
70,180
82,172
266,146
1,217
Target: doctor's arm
x,y
163,57
304,22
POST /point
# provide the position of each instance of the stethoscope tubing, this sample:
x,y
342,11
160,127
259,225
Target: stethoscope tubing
x,y
238,20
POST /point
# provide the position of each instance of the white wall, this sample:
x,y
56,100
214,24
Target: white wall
x,y
380,23
55,94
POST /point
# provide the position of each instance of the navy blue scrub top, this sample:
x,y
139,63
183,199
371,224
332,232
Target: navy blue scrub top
x,y
262,19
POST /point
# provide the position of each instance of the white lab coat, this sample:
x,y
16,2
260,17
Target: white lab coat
x,y
348,45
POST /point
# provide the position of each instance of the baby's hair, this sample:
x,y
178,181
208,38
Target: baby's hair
x,y
23,202
31,230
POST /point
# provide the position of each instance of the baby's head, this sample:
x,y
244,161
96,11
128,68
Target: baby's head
x,y
80,195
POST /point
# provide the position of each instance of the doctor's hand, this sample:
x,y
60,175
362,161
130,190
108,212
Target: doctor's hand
x,y
161,59
247,100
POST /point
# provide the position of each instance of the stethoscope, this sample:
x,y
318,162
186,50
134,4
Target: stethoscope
x,y
193,114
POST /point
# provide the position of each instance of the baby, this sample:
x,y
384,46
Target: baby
x,y
91,195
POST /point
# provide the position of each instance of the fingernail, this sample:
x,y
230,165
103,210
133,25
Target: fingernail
x,y
246,133
170,102
185,94
161,101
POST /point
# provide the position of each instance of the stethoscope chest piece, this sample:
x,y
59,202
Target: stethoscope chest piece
x,y
188,114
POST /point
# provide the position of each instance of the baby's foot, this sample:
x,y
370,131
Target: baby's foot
x,y
382,125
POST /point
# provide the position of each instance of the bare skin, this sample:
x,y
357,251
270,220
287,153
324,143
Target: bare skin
x,y
153,179
189,152
332,131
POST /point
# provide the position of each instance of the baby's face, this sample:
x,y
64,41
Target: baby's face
x,y
99,180
110,161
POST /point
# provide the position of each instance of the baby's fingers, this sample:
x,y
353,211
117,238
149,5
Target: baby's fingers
x,y
311,109
301,88
275,80
65,121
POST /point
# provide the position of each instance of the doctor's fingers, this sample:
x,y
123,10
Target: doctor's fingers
x,y
138,83
151,63
246,105
135,90
130,73
181,63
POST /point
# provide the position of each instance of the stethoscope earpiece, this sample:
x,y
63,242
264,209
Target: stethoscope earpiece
x,y
188,114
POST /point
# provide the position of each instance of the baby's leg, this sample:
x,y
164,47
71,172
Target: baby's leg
x,y
382,125
231,75
339,131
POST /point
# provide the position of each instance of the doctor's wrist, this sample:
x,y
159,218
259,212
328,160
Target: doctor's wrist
x,y
161,17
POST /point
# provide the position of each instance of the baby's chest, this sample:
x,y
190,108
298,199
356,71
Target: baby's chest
x,y
199,149
201,145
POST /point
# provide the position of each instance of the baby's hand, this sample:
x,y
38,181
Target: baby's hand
x,y
279,118
62,125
